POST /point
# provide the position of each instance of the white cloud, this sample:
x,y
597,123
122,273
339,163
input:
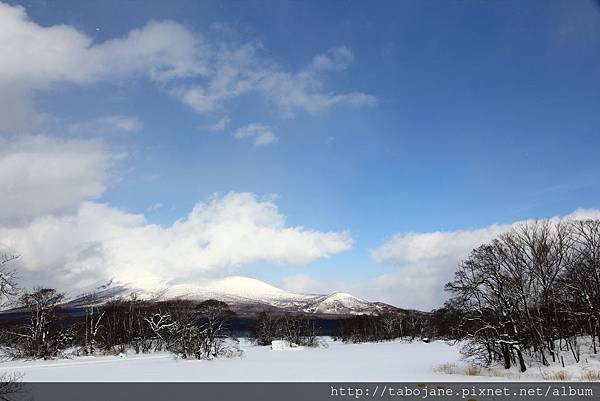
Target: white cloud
x,y
408,248
108,124
42,56
304,90
154,207
426,261
334,59
40,175
292,92
222,234
232,71
259,133
237,71
219,126
36,58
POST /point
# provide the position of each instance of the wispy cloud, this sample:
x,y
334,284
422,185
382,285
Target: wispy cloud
x,y
259,133
334,59
107,124
204,74
154,207
219,126
241,70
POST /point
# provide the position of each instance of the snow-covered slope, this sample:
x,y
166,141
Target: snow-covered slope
x,y
241,293
234,287
343,303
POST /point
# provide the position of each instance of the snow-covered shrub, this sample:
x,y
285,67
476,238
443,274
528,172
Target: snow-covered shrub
x,y
560,375
447,368
591,375
472,370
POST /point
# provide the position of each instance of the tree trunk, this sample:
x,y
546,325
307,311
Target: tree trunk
x,y
506,356
521,361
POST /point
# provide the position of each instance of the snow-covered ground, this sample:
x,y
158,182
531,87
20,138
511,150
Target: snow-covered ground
x,y
389,361
587,369
394,361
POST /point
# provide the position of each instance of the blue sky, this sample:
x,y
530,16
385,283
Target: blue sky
x,y
457,116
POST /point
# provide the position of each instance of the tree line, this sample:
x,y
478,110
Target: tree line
x,y
529,294
385,326
305,330
45,328
295,329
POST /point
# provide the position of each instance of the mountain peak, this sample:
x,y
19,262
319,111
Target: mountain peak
x,y
246,285
241,293
340,296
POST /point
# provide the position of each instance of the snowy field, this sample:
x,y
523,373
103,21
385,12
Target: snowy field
x,y
395,361
388,361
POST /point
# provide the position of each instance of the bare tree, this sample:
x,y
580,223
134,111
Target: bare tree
x,y
215,317
8,279
202,331
266,329
161,324
40,335
93,327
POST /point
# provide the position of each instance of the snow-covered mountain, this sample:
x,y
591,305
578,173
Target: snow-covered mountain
x,y
242,294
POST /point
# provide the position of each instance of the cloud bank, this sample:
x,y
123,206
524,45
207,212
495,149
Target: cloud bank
x,y
66,239
99,242
41,175
425,262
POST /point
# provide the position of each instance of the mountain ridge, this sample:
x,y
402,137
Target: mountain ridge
x,y
242,294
